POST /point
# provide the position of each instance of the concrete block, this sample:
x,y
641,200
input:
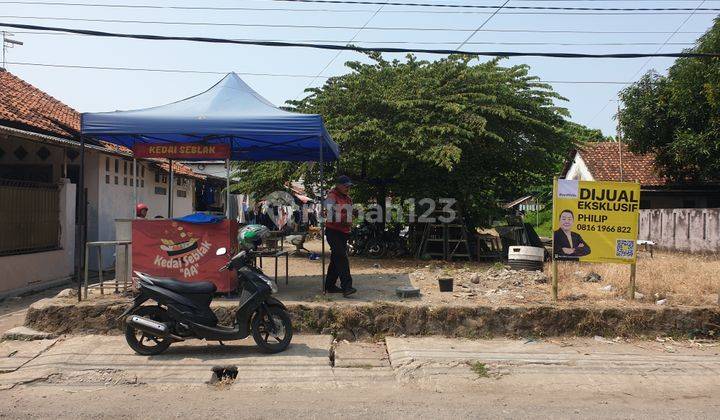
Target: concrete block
x,y
26,334
360,355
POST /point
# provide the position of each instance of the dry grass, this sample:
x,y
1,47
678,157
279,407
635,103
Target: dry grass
x,y
682,279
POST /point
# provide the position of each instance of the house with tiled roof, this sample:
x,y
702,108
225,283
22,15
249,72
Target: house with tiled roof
x,y
613,161
39,171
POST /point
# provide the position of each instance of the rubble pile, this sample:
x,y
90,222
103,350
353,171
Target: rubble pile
x,y
492,283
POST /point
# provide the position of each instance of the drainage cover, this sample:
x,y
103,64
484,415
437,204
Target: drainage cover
x,y
223,374
407,291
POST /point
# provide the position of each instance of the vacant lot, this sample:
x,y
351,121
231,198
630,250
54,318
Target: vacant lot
x,y
678,279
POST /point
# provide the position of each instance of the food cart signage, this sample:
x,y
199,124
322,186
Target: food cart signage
x,y
595,221
183,251
182,151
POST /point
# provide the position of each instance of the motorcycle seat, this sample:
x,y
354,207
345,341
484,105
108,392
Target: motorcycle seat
x,y
196,287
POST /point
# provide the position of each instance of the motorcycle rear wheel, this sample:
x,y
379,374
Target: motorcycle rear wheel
x,y
139,340
268,342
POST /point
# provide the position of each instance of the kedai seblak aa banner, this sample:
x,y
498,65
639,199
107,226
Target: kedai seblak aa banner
x,y
595,221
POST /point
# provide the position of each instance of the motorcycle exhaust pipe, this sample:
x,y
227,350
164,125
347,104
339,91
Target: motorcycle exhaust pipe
x,y
149,326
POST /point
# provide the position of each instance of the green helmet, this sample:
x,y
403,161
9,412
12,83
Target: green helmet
x,y
251,236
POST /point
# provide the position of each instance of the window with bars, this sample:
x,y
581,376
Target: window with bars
x,y
29,217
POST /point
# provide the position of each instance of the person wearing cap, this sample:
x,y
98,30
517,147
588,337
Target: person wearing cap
x,y
141,211
337,229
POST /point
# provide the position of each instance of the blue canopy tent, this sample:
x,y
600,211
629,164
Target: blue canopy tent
x,y
230,112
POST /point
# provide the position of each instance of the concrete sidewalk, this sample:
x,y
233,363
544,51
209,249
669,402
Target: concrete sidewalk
x,y
588,368
561,366
93,360
104,360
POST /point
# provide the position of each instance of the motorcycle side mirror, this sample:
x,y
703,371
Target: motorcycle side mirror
x,y
221,251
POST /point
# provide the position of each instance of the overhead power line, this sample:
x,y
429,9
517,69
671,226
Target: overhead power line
x,y
477,6
669,38
422,10
353,47
307,76
448,42
335,57
377,28
482,25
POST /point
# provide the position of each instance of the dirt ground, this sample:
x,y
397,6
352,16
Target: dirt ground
x,y
665,279
673,279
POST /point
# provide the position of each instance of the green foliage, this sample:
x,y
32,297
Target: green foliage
x,y
545,222
580,133
477,132
677,117
480,369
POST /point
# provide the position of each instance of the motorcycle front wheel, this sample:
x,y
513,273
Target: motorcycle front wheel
x,y
268,341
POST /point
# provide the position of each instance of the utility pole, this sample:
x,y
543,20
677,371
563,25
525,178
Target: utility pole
x,y
7,43
619,141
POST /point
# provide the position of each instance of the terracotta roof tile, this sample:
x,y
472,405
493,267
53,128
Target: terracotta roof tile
x,y
603,162
178,168
24,106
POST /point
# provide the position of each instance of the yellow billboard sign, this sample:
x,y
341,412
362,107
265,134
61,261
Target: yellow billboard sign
x,y
595,221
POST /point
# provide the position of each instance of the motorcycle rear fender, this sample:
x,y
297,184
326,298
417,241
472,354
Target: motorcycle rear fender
x,y
139,300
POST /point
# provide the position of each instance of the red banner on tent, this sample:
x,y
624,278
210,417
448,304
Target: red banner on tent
x,y
182,151
184,251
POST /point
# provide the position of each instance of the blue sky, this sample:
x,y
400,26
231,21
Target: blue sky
x,y
103,90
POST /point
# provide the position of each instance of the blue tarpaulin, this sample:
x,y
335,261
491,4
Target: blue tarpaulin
x,y
230,112
200,218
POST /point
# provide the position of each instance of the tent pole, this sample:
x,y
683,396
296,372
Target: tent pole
x,y
227,188
321,218
135,187
80,220
170,188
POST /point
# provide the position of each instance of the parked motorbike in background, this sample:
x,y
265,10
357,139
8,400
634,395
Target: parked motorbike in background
x,y
369,239
182,311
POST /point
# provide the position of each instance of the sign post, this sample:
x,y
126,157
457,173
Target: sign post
x,y
595,221
554,260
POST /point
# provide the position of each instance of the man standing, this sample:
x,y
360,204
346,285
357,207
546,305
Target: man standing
x,y
337,229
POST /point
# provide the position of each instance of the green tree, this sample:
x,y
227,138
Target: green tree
x,y
477,132
581,134
677,117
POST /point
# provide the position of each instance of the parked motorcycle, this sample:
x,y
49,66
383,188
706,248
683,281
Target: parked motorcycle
x,y
183,311
368,239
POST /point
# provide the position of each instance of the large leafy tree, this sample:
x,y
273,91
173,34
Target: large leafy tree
x,y
477,132
581,134
677,117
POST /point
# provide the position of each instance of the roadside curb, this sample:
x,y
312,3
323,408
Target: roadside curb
x,y
374,320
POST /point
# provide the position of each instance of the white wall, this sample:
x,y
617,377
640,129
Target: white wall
x,y
116,200
688,230
579,170
158,203
10,143
25,272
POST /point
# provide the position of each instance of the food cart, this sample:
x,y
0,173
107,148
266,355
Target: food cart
x,y
229,121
